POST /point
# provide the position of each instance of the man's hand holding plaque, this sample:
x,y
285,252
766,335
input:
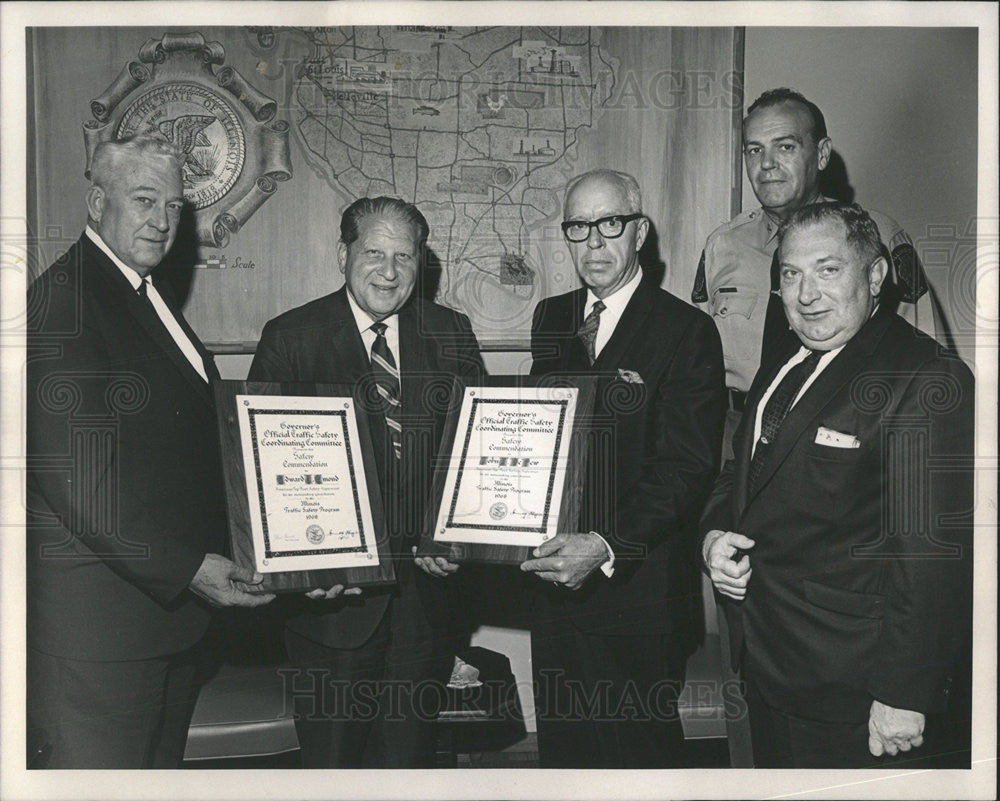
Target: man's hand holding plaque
x,y
337,590
568,559
436,566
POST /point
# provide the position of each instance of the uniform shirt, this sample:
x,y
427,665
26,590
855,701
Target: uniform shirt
x,y
733,283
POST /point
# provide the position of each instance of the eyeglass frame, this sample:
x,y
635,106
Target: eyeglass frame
x,y
592,224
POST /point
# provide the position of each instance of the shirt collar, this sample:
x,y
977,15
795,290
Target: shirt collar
x,y
617,301
363,320
133,277
769,225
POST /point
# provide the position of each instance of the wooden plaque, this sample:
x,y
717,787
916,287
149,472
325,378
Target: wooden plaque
x,y
510,487
365,545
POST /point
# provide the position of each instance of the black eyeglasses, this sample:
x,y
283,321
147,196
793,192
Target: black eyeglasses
x,y
609,227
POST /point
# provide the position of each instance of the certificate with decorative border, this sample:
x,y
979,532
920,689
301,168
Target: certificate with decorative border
x,y
309,503
508,464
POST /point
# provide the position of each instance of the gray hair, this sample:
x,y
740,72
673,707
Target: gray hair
x,y
862,233
628,185
108,154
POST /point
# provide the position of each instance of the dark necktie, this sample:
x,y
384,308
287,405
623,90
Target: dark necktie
x,y
775,322
588,331
777,407
386,376
143,289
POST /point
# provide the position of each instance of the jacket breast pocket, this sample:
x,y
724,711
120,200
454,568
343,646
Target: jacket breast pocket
x,y
832,454
831,474
733,309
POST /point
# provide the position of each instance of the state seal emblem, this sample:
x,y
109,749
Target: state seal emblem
x,y
235,150
315,534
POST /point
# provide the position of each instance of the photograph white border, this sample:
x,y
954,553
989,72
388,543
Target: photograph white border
x,y
16,783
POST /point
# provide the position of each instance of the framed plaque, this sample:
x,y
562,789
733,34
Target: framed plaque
x,y
305,507
510,473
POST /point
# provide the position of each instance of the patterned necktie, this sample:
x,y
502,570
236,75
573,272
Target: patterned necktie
x,y
386,376
588,331
777,407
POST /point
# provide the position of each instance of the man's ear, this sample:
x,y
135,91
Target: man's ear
x,y
342,256
824,148
95,202
876,275
642,231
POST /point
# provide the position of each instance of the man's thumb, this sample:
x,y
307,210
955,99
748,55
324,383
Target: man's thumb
x,y
245,574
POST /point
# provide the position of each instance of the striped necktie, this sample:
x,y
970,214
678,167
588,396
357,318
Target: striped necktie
x,y
588,331
386,375
778,406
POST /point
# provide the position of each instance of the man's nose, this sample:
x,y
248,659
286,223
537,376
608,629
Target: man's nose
x,y
808,290
159,219
767,161
594,238
387,269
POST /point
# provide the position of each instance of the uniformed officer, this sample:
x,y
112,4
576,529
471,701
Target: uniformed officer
x,y
785,147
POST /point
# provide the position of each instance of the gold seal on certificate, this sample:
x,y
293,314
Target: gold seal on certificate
x,y
301,463
508,465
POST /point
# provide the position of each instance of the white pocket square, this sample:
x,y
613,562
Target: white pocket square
x,y
834,439
630,376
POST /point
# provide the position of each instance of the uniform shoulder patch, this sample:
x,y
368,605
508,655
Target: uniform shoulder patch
x,y
699,292
909,273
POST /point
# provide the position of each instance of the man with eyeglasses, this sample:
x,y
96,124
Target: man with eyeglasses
x,y
615,599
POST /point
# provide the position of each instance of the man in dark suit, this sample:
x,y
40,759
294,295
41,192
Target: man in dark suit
x,y
617,600
388,643
839,535
126,511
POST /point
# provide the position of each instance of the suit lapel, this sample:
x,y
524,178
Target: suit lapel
x,y
572,353
143,314
208,360
631,324
414,355
824,390
347,356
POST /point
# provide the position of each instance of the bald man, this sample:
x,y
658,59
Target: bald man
x,y
616,598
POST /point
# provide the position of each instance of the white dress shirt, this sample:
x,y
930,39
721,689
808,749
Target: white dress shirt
x,y
614,308
159,305
364,323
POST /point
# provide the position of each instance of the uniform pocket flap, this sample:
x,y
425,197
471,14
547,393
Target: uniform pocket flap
x,y
736,301
847,602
